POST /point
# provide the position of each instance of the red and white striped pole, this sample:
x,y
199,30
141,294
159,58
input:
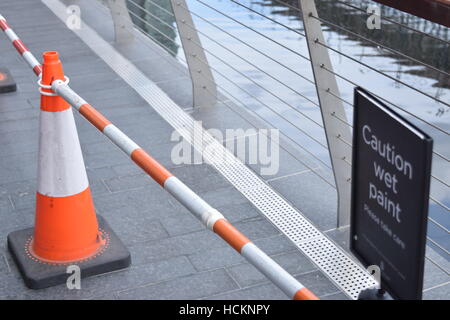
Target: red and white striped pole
x,y
20,47
212,218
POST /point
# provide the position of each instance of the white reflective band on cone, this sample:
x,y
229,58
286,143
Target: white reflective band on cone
x,y
280,277
196,205
61,170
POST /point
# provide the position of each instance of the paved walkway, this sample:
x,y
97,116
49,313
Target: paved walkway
x,y
174,256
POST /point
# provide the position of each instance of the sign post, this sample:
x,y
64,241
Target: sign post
x,y
390,190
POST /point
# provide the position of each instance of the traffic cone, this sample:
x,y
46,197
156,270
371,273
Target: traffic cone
x,y
66,230
7,83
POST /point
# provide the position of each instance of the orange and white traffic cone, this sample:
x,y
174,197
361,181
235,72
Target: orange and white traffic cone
x,y
66,229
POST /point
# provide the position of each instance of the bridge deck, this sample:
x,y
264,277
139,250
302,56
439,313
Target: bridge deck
x,y
174,256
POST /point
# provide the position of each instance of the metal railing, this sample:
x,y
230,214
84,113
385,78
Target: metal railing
x,y
213,67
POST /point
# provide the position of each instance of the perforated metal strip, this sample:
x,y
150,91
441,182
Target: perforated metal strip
x,y
332,260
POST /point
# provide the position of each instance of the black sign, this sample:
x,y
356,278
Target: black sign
x,y
390,189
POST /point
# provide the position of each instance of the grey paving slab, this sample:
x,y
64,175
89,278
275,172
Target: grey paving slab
x,y
180,90
215,258
186,244
257,228
118,97
130,182
341,236
223,196
239,212
318,283
96,81
264,292
133,231
149,198
19,125
272,164
18,141
18,167
24,114
313,197
191,287
220,117
294,262
103,284
211,179
158,69
174,256
181,223
336,296
11,220
101,173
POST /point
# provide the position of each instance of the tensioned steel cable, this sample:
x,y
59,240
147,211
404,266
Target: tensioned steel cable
x,y
346,55
364,11
438,245
333,94
440,203
430,196
391,103
246,91
400,108
244,75
235,38
222,88
383,18
263,88
249,46
382,73
306,165
428,123
260,52
246,107
313,170
436,201
382,46
255,31
268,18
349,144
230,51
439,225
253,48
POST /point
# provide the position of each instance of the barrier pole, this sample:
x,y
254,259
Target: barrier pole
x,y
210,217
20,47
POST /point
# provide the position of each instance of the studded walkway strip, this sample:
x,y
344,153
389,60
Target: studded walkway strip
x,y
332,260
209,216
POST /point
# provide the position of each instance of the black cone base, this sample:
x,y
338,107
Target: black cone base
x,y
7,83
40,274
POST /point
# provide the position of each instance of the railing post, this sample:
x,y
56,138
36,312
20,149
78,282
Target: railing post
x,y
203,84
332,109
123,25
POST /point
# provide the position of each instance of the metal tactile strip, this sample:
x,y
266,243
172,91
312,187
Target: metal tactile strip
x,y
337,265
332,260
